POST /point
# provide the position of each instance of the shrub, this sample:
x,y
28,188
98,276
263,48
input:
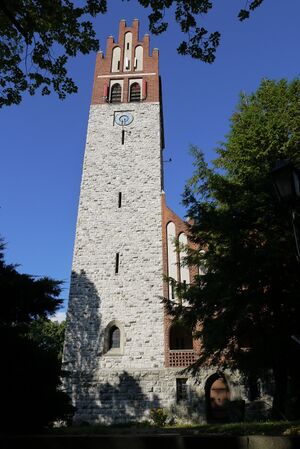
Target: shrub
x,y
158,416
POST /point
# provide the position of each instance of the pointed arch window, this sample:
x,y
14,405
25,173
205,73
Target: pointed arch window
x,y
116,56
138,59
135,92
114,338
116,93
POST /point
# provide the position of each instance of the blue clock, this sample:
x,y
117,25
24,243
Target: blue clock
x,y
123,118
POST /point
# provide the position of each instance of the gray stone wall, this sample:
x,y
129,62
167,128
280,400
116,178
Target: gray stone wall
x,y
124,396
132,296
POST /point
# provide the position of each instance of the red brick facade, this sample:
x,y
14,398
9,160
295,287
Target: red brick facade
x,y
149,74
175,357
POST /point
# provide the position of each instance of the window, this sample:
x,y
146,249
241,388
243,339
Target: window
x,y
127,51
117,263
116,55
114,338
127,64
180,337
138,59
116,92
120,200
172,291
135,92
181,390
171,257
184,269
253,385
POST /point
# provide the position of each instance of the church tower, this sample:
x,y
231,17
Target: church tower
x,y
122,353
115,316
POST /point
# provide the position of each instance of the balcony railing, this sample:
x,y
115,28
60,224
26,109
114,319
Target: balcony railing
x,y
181,357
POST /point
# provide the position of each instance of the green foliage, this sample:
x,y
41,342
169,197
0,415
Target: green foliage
x,y
253,428
158,416
48,335
37,38
248,299
31,348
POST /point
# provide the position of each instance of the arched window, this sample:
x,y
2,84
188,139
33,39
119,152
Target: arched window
x,y
127,51
135,92
116,56
172,256
180,337
184,269
138,58
114,337
116,92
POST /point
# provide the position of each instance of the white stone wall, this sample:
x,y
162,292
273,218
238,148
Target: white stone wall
x,y
124,396
133,296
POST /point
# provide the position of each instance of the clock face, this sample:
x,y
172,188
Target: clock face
x,y
123,118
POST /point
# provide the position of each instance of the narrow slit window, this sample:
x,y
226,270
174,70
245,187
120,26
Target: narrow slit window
x,y
120,200
123,136
172,291
117,263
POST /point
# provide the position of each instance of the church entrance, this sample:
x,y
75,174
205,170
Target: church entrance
x,y
217,396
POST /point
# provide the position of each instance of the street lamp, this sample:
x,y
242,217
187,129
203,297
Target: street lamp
x,y
286,181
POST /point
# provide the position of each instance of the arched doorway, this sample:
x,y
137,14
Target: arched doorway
x,y
217,396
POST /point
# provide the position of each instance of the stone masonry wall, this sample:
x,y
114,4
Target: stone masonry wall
x,y
123,396
133,296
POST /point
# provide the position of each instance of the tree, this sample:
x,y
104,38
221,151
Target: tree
x,y
48,335
247,303
30,350
37,37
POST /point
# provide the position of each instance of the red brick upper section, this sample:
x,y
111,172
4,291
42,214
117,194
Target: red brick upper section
x,y
149,74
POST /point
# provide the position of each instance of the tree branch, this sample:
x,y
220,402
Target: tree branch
x,y
14,21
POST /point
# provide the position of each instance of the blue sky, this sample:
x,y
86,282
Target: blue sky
x,y
42,140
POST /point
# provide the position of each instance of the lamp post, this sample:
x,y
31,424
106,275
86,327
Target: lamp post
x,y
286,181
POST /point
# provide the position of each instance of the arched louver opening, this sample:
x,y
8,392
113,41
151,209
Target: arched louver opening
x,y
135,92
180,337
116,92
114,337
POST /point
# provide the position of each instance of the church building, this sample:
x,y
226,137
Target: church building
x,y
122,351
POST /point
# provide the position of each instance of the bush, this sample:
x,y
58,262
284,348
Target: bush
x,y
158,416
